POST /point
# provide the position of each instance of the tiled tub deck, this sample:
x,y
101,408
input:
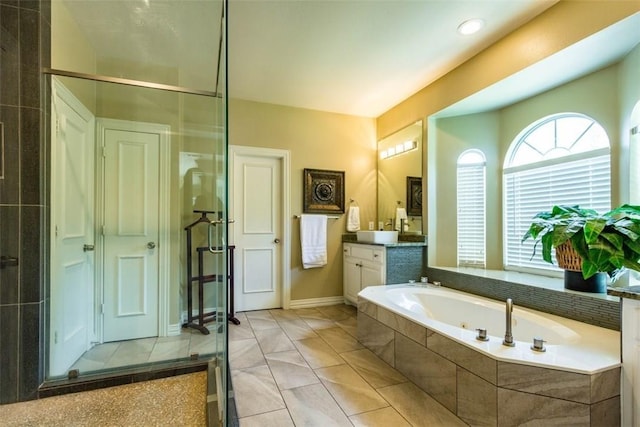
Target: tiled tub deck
x,y
484,391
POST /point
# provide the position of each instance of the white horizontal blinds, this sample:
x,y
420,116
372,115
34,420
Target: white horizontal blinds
x,y
582,179
471,214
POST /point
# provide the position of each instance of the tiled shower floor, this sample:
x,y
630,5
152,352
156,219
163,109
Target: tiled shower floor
x,y
306,368
148,350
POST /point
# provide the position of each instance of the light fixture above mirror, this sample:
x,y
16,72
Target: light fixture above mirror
x,y
397,149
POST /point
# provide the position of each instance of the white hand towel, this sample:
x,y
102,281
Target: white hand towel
x,y
353,219
313,237
401,213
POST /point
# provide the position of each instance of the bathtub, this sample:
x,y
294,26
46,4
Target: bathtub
x,y
571,346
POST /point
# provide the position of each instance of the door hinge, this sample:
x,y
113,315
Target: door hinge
x,y
57,125
103,151
56,228
102,308
55,337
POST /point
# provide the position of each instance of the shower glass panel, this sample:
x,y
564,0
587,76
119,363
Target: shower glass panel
x,y
138,154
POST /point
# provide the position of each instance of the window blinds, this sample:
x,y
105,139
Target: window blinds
x,y
471,215
585,182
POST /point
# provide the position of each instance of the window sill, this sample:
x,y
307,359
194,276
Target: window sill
x,y
524,279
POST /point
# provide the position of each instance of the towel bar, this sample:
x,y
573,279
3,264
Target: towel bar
x,y
328,216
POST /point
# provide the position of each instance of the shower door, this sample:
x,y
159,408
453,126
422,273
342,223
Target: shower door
x,y
152,100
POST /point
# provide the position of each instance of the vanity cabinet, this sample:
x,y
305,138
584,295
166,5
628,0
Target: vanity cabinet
x,y
364,265
630,362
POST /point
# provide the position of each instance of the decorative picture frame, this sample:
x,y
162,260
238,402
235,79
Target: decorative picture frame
x,y
323,191
414,196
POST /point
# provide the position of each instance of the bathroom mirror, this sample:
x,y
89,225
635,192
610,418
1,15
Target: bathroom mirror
x,y
400,179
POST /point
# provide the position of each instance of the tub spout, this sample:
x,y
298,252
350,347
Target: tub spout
x,y
508,335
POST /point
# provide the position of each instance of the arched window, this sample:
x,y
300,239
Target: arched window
x,y
471,209
563,159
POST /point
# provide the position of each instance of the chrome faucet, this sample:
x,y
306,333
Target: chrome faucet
x,y
508,335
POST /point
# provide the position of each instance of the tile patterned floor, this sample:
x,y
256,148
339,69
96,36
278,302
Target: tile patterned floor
x,y
305,367
148,350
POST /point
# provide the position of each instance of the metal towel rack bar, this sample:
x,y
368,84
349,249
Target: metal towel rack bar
x,y
328,216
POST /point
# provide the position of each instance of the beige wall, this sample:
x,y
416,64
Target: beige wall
x,y
316,140
595,95
558,27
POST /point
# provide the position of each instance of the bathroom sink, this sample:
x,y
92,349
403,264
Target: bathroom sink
x,y
377,236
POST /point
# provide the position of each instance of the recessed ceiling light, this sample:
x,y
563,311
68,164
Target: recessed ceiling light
x,y
470,26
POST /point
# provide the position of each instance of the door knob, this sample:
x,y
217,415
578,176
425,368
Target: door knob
x,y
276,241
87,248
151,245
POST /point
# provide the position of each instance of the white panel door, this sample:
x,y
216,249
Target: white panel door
x,y
258,215
72,225
131,234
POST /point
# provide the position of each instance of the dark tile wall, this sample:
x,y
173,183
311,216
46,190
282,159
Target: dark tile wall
x,y
573,305
25,49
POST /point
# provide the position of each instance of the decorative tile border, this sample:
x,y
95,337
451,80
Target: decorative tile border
x,y
585,308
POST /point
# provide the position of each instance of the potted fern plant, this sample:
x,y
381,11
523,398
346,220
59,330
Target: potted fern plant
x,y
589,246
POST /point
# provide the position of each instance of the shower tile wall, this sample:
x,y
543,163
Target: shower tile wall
x,y
25,49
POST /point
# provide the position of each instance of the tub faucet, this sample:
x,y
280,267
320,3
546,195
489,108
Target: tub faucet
x,y
508,335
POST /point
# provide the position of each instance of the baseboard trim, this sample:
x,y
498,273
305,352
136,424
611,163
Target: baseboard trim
x,y
315,302
174,330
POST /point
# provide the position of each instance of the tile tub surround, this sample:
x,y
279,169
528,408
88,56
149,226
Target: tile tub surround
x,y
481,390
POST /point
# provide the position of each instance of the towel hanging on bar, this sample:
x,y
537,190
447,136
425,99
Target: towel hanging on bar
x,y
313,238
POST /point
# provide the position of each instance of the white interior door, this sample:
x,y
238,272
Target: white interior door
x,y
258,231
131,234
72,226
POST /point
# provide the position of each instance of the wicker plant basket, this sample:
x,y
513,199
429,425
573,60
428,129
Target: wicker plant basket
x,y
568,258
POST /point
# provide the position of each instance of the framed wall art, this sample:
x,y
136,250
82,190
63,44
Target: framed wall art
x,y
414,196
323,191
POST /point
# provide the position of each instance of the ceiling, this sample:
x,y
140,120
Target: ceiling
x,y
357,57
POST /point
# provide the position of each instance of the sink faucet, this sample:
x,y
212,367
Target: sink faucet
x,y
508,335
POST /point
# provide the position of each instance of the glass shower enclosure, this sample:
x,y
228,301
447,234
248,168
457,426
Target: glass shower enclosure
x,y
138,186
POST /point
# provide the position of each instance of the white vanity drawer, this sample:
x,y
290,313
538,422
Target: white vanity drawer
x,y
366,252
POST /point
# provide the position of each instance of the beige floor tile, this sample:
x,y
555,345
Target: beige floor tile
x,y
335,312
245,354
351,392
259,314
339,340
169,350
373,369
242,331
417,407
312,405
280,314
297,329
318,321
202,344
256,391
350,325
259,324
279,418
385,417
131,353
318,353
273,340
290,370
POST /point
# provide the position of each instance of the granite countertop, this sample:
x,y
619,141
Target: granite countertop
x,y
631,292
404,240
